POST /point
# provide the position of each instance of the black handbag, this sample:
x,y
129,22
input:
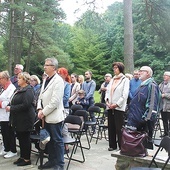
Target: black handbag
x,y
132,143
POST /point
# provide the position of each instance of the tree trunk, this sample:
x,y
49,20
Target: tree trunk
x,y
10,44
29,51
128,37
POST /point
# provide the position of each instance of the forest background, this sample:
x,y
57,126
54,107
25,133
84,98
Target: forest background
x,y
32,30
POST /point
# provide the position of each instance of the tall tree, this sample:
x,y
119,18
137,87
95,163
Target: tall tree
x,y
128,36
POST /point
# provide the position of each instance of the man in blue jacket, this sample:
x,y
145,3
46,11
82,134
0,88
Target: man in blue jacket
x,y
145,105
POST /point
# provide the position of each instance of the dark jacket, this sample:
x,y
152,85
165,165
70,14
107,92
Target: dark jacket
x,y
141,105
22,111
83,101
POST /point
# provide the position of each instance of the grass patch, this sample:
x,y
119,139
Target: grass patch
x,y
96,97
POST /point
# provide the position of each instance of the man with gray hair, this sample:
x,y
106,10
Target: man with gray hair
x,y
145,105
50,108
103,87
18,69
165,112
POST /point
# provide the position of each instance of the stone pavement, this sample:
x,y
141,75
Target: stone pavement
x,y
97,158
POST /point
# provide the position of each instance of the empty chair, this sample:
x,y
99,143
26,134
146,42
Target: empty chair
x,y
76,129
94,112
83,114
101,119
165,144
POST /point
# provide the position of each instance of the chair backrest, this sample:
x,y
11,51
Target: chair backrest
x,y
75,107
165,143
95,109
83,114
101,105
73,122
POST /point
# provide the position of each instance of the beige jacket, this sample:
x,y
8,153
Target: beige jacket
x,y
166,99
51,100
120,93
74,93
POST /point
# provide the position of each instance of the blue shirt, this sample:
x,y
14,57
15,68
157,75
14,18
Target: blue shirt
x,y
89,87
134,84
67,89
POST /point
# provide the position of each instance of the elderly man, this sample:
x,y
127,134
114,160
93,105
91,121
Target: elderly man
x,y
18,69
50,107
165,112
145,105
104,85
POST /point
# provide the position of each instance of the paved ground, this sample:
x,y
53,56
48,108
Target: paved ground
x,y
97,158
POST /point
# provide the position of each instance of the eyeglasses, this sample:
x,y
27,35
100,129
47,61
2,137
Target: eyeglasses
x,y
46,65
143,71
115,67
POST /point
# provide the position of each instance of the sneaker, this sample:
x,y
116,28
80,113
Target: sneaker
x,y
2,153
10,154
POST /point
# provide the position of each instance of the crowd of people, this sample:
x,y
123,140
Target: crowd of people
x,y
24,99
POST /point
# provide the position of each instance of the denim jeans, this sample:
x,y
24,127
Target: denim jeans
x,y
56,144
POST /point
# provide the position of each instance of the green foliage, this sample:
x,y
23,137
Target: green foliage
x,y
93,43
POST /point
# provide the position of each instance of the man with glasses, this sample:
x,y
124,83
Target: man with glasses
x,y
145,105
50,108
165,112
104,85
18,69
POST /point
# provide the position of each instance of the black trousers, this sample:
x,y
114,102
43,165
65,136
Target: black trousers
x,y
166,122
8,137
115,123
25,144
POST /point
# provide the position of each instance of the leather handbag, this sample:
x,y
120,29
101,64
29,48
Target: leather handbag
x,y
132,143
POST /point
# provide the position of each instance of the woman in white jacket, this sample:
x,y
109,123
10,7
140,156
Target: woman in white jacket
x,y
116,100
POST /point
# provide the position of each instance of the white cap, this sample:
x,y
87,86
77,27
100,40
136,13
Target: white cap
x,y
148,69
108,75
167,73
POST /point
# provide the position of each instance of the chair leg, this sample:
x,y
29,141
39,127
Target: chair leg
x,y
166,163
88,142
71,155
98,133
41,157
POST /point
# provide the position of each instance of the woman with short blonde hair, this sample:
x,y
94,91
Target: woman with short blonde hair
x,y
22,114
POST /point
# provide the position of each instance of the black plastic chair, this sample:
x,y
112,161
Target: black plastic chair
x,y
76,129
165,144
96,111
102,127
158,128
83,114
74,108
